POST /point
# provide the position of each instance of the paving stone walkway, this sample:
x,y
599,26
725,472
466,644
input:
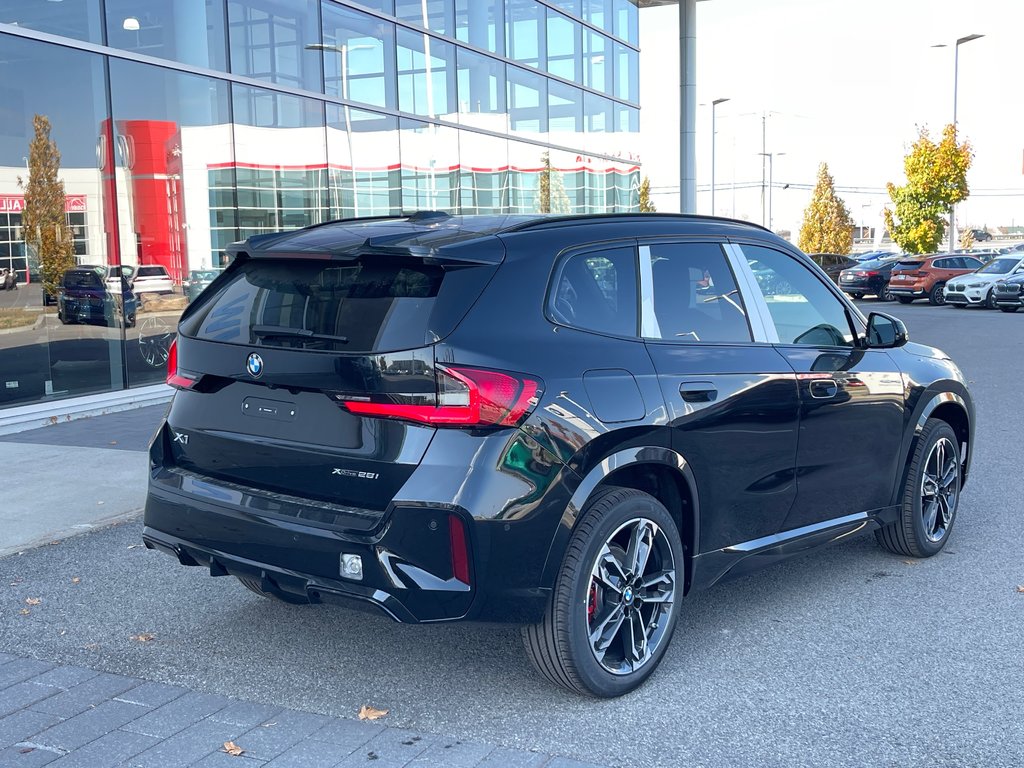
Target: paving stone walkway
x,y
66,716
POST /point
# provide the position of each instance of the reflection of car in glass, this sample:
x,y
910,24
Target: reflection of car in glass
x,y
567,423
85,297
8,280
155,336
152,278
197,281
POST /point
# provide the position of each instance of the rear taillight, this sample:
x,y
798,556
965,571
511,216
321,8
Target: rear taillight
x,y
176,378
466,397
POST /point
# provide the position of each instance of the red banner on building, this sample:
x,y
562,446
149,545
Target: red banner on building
x,y
16,203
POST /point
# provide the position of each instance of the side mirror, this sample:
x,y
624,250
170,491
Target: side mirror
x,y
885,331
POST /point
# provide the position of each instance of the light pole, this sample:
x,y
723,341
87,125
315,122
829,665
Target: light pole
x,y
771,172
956,72
343,51
714,104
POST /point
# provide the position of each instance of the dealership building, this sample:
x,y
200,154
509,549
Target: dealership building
x,y
185,125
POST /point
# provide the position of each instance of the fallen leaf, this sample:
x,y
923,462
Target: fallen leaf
x,y
144,637
100,503
32,601
1020,588
63,632
232,749
75,580
113,442
24,611
55,541
910,562
367,712
26,750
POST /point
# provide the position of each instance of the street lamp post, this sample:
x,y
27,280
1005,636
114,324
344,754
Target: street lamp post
x,y
714,104
771,172
956,72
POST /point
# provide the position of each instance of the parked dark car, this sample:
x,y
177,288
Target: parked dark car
x,y
1009,294
869,278
833,263
198,280
980,235
563,422
86,296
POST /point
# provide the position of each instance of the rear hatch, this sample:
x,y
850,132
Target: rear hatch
x,y
309,375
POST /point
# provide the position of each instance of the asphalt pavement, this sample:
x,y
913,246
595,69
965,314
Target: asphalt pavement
x,y
845,657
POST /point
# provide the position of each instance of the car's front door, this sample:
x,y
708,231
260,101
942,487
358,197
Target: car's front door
x,y
851,398
731,398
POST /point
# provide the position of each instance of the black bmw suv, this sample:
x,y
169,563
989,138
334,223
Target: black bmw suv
x,y
564,422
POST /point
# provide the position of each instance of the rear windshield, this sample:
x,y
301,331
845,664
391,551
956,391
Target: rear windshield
x,y
874,263
908,264
152,272
374,305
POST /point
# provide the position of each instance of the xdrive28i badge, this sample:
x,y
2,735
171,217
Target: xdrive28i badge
x,y
254,365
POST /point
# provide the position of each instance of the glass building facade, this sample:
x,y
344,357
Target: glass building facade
x,y
185,125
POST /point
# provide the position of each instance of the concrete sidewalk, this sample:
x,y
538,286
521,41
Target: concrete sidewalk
x,y
78,476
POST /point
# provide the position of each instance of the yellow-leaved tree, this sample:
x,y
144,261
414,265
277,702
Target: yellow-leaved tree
x,y
828,226
646,206
936,181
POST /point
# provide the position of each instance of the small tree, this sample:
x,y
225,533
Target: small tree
x,y
551,196
936,181
43,219
646,206
827,226
967,239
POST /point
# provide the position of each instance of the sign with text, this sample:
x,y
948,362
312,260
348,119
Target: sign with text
x,y
16,203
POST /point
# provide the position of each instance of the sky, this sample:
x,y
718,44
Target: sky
x,y
847,83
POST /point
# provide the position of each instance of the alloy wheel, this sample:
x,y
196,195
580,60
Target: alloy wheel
x,y
629,600
940,489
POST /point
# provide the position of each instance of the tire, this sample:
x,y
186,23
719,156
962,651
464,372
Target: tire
x,y
886,294
560,645
904,299
1009,309
130,321
253,585
857,296
990,299
936,297
931,488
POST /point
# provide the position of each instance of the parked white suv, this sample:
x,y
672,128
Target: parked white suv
x,y
977,288
152,278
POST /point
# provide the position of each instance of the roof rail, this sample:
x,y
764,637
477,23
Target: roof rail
x,y
543,220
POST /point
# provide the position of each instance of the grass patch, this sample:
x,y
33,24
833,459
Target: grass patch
x,y
17,318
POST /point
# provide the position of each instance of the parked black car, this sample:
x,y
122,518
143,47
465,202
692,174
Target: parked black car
x,y
88,296
869,278
1008,295
833,263
980,235
564,422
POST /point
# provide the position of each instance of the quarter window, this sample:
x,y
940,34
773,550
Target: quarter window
x,y
803,310
695,295
596,291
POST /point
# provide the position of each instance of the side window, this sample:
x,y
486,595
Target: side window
x,y
695,294
970,263
596,291
803,310
945,263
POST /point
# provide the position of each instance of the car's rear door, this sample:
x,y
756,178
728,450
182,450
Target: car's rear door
x,y
851,399
731,397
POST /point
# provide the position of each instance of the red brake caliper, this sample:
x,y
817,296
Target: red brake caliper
x,y
592,602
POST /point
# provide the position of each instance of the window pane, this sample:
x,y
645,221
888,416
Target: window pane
x,y
430,167
72,344
432,14
803,309
384,6
524,26
481,88
695,295
276,41
564,46
526,164
481,23
598,113
364,163
627,73
565,112
426,74
359,54
596,49
484,183
598,13
597,291
172,130
527,101
80,20
626,24
562,187
192,33
572,7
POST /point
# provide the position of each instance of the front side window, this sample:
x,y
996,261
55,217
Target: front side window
x,y
596,291
802,309
695,295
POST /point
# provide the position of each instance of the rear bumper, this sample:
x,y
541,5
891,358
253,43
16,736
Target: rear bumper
x,y
916,291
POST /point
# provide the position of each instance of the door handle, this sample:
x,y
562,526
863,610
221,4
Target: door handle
x,y
824,389
698,391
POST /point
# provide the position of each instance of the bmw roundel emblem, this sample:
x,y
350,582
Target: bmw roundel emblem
x,y
254,365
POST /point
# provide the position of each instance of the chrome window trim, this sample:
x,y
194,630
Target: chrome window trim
x,y
761,323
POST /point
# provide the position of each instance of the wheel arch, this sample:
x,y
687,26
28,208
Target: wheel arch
x,y
661,472
952,408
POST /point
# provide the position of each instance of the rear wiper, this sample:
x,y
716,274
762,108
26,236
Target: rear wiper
x,y
283,332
